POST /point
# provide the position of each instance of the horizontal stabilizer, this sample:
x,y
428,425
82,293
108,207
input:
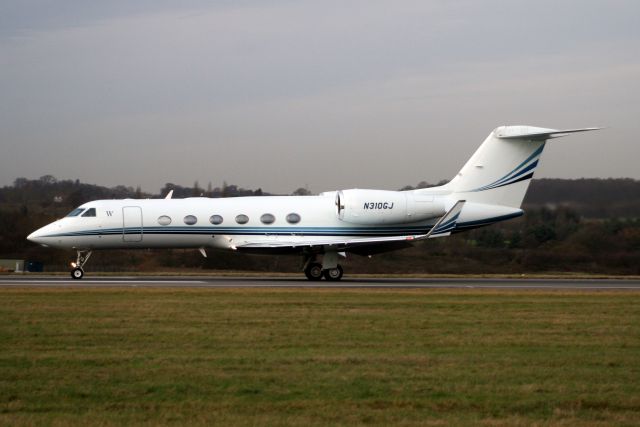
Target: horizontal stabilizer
x,y
530,133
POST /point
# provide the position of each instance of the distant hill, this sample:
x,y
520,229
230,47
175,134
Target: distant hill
x,y
584,225
47,191
591,198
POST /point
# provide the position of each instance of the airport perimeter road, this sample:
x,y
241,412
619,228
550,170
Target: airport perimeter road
x,y
299,282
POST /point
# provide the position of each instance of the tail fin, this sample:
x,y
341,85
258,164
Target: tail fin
x,y
500,171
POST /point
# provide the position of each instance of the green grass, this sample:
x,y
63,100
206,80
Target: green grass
x,y
317,357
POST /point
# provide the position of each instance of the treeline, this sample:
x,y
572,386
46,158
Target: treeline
x,y
588,226
47,190
591,198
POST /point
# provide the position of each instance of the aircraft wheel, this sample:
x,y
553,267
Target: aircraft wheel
x,y
77,273
333,274
313,271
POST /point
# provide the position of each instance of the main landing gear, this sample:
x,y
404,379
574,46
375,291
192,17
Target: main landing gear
x,y
77,272
314,271
329,268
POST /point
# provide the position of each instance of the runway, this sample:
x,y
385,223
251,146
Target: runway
x,y
301,282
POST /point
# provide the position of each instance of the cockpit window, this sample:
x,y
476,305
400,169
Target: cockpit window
x,y
90,212
76,212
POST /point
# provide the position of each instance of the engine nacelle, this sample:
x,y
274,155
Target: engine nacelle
x,y
377,207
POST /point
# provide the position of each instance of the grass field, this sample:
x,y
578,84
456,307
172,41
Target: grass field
x,y
318,357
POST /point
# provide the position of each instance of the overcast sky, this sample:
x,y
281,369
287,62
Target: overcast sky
x,y
330,94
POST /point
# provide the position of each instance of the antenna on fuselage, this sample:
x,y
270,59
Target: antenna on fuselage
x,y
169,194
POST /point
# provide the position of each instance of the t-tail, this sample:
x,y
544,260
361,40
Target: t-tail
x,y
500,170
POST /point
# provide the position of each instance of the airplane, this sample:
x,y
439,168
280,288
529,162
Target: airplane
x,y
489,188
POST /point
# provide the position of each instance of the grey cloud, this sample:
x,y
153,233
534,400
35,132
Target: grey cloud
x,y
330,94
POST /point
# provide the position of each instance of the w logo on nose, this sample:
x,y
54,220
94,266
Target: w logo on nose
x,y
109,213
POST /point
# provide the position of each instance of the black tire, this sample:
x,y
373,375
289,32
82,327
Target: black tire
x,y
77,273
333,274
313,271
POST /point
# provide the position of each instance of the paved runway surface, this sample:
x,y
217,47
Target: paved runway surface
x,y
300,282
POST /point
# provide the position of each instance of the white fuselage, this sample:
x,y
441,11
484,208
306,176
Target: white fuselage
x,y
135,223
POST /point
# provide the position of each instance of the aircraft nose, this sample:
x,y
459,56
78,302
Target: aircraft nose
x,y
36,237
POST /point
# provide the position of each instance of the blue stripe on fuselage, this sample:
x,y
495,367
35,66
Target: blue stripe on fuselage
x,y
284,231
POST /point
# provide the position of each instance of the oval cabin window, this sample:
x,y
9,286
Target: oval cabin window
x,y
242,219
267,218
293,218
190,219
164,220
216,219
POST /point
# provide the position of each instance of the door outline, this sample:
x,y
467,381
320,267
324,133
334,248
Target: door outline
x,y
131,222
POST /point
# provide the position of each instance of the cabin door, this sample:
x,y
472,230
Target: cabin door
x,y
132,224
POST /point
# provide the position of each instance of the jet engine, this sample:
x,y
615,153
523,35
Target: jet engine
x,y
378,207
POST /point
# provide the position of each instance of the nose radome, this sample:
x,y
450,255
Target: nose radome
x,y
36,237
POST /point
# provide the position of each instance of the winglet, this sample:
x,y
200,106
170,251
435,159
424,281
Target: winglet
x,y
169,194
447,223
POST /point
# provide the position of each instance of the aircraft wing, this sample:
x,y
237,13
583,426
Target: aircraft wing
x,y
443,227
340,242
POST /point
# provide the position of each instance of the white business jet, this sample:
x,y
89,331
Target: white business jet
x,y
489,188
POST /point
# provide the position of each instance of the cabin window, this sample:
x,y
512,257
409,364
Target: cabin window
x,y
293,218
76,212
190,219
216,219
90,212
267,218
242,219
164,220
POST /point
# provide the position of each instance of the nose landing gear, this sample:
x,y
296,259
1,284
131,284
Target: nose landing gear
x,y
77,272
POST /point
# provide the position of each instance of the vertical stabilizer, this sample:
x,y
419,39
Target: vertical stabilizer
x,y
500,171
